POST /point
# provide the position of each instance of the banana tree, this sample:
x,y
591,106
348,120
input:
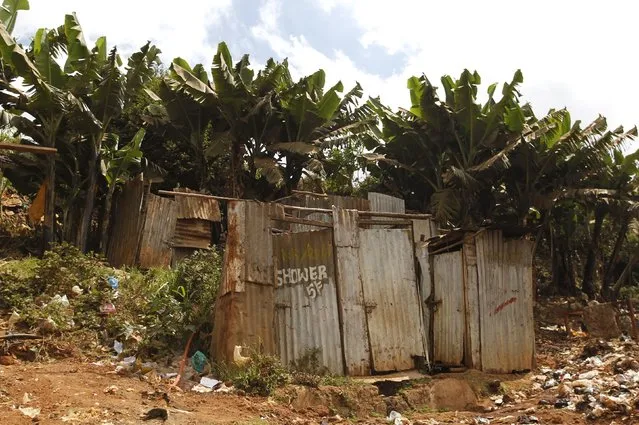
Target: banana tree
x,y
271,128
118,164
73,105
454,146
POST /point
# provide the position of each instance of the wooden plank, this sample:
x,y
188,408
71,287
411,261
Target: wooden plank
x,y
28,148
196,195
159,227
425,290
303,221
302,192
472,345
394,215
386,223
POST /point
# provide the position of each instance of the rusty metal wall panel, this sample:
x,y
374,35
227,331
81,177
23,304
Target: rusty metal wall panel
x,y
127,221
351,293
424,229
506,302
425,291
159,225
259,247
348,202
202,208
233,271
448,320
259,332
246,317
346,227
472,343
307,314
385,203
390,292
192,233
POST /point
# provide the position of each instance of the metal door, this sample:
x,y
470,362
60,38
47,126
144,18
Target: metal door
x,y
448,319
387,264
306,309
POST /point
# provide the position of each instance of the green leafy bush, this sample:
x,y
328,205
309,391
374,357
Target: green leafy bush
x,y
160,308
156,310
261,375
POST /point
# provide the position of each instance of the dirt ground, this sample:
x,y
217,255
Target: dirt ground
x,y
76,391
68,391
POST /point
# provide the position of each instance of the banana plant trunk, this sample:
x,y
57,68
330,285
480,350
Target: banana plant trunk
x,y
614,257
49,205
89,203
588,283
106,219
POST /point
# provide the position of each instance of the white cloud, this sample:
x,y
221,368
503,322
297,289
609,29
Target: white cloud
x,y
305,59
178,28
578,54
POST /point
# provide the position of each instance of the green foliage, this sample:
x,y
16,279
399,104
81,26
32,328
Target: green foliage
x,y
155,310
161,307
261,375
65,266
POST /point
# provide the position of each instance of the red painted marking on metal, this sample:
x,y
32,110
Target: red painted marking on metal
x,y
503,305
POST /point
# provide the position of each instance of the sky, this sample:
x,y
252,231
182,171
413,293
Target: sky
x,y
575,54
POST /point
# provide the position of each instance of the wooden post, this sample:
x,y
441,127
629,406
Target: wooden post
x,y
49,206
633,320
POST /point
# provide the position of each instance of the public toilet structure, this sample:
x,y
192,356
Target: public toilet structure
x,y
375,291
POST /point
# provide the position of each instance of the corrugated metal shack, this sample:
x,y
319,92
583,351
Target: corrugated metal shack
x,y
479,293
340,280
372,290
153,231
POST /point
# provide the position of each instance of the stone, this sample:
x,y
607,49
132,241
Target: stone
x,y
599,320
452,394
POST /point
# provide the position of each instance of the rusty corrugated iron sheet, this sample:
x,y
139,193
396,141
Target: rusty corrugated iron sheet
x,y
307,313
192,233
391,296
505,302
124,235
449,318
157,234
351,293
247,280
385,203
201,208
259,329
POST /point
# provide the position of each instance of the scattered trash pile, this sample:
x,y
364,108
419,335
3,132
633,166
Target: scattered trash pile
x,y
600,381
196,376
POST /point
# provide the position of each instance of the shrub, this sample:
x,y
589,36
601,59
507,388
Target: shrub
x,y
261,375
